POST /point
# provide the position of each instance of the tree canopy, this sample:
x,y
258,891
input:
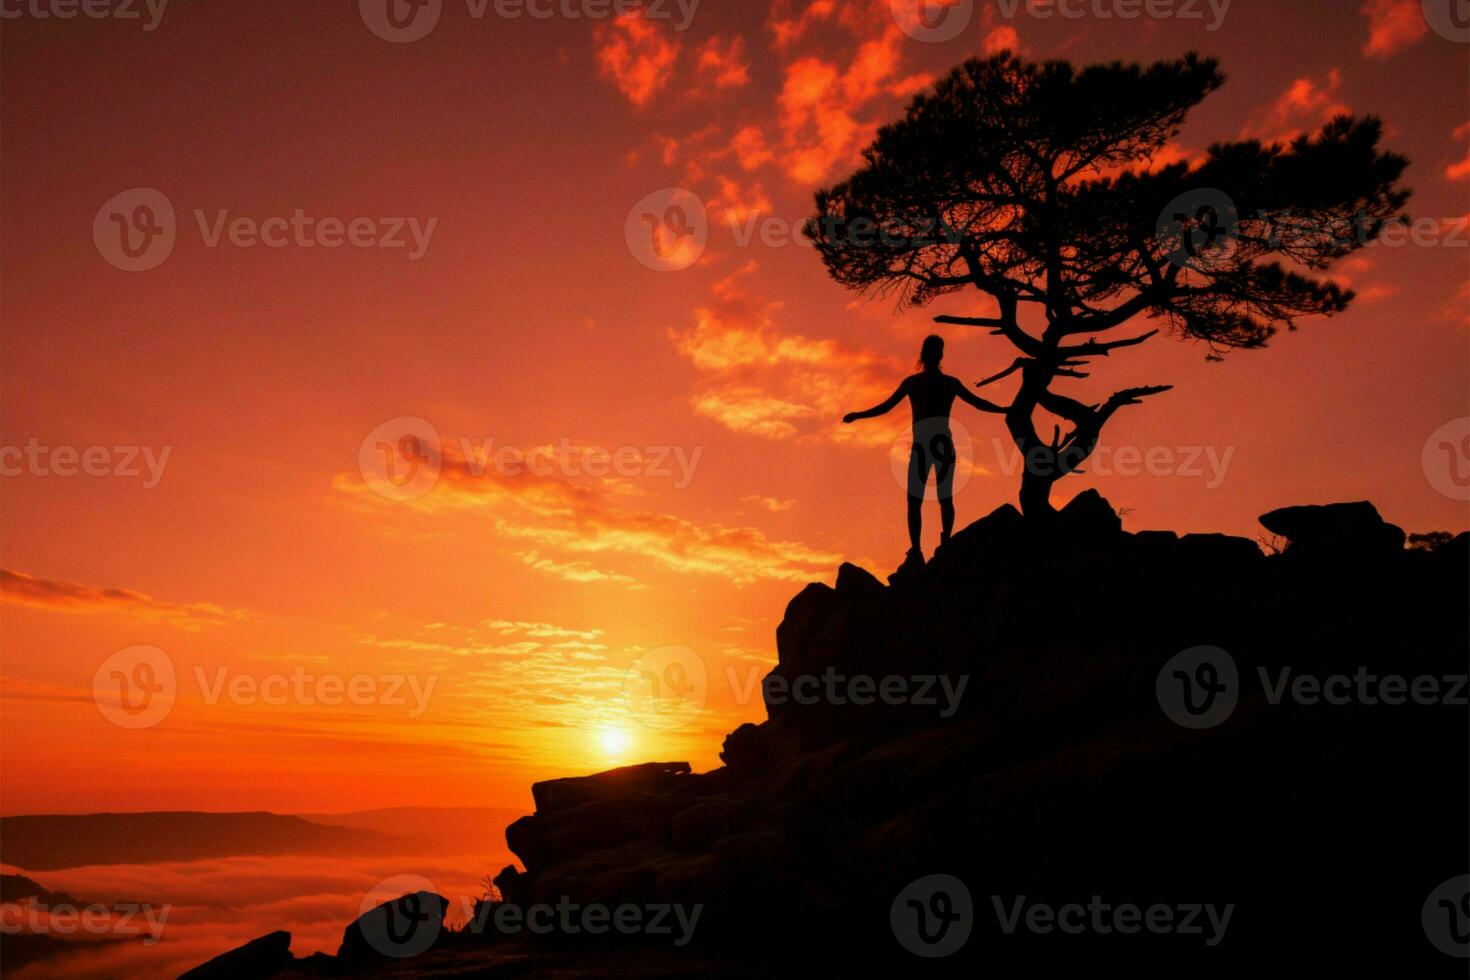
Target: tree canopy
x,y
1051,189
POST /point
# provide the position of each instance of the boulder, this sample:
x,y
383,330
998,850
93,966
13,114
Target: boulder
x,y
560,835
745,749
1087,517
702,826
259,958
808,611
991,537
561,794
1153,545
909,572
1456,551
1218,550
404,927
1335,531
857,583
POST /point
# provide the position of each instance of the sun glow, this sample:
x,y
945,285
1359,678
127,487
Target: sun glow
x,y
614,741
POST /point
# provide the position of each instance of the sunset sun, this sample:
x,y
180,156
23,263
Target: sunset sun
x,y
614,741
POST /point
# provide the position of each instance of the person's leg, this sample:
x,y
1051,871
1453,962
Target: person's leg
x,y
918,477
944,467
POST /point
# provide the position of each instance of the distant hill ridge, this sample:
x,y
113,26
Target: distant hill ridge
x,y
52,842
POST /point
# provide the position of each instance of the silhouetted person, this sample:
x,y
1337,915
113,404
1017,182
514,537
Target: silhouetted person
x,y
930,393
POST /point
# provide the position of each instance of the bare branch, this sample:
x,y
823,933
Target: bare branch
x,y
1131,396
971,321
1020,363
1096,348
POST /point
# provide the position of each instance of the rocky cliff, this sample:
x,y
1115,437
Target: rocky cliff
x,y
1060,745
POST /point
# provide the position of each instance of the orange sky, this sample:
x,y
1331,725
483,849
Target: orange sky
x,y
518,601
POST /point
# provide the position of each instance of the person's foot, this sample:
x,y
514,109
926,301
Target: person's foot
x,y
912,563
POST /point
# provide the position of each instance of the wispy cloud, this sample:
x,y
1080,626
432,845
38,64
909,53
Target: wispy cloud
x,y
1392,26
71,597
723,63
572,571
762,381
539,630
836,85
637,55
1306,104
579,519
771,504
1460,169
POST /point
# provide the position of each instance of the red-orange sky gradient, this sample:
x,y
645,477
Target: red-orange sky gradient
x,y
528,320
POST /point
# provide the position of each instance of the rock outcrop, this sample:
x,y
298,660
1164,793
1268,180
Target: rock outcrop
x,y
400,928
256,960
1058,716
1027,750
1336,531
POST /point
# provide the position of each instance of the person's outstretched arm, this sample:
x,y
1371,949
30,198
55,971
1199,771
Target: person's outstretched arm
x,y
974,400
886,406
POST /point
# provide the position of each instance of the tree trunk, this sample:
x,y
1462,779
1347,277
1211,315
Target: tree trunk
x,y
1038,463
1036,492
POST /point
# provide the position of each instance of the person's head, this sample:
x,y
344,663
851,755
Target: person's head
x,y
932,352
